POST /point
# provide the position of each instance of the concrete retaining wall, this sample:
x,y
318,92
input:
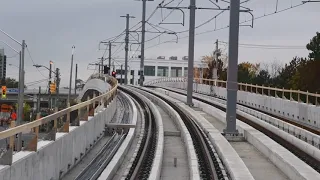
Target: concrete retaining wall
x,y
54,158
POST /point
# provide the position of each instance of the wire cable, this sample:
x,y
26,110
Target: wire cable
x,y
33,62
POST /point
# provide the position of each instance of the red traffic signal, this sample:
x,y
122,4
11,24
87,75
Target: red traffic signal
x,y
113,73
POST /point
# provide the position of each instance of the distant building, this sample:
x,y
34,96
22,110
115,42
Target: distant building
x,y
153,69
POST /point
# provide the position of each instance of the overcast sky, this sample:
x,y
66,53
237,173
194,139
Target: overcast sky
x,y
50,28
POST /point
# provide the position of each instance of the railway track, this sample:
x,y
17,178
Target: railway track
x,y
312,162
142,164
208,163
101,160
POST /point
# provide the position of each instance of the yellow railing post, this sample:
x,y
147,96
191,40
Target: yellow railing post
x,y
283,96
298,95
316,100
11,139
307,97
290,94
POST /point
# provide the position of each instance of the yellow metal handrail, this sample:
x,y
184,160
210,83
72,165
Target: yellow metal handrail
x,y
12,131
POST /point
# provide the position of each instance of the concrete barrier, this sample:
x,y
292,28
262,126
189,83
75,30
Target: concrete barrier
x,y
299,112
287,162
54,158
118,158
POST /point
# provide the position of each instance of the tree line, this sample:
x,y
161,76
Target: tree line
x,y
301,73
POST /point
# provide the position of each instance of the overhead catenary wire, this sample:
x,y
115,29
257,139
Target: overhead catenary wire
x,y
34,62
225,27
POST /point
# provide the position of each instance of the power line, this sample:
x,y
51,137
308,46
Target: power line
x,y
33,62
225,27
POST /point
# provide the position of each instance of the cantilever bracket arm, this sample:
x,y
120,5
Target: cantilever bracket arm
x,y
132,44
175,8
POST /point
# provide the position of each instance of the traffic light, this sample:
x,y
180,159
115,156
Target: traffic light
x,y
53,87
106,69
113,73
4,91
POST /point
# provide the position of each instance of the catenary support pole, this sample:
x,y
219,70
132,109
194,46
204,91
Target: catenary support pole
x,y
109,58
191,51
143,31
75,80
232,84
126,51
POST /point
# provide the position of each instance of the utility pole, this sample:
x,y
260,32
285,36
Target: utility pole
x,y
101,65
70,82
21,92
49,92
109,57
39,100
143,31
121,75
126,49
232,83
75,80
57,86
191,51
217,54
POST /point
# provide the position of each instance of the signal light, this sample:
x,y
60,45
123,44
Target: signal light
x,y
53,87
113,73
4,91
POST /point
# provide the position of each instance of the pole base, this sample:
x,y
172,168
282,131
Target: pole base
x,y
233,136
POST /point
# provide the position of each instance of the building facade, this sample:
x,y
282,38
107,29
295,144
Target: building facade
x,y
153,68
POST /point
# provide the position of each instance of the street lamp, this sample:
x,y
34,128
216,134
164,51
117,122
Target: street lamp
x,y
49,82
21,84
70,82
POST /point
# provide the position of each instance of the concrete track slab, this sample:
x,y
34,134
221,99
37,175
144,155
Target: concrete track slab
x,y
173,148
258,164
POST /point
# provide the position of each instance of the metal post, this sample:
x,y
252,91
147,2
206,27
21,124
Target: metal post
x,y
49,92
126,51
191,51
39,100
21,92
121,75
70,82
102,65
143,30
75,80
58,85
109,57
232,84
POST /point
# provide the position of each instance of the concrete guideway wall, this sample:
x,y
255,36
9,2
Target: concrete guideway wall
x,y
185,135
231,160
118,158
54,158
304,135
302,113
287,162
